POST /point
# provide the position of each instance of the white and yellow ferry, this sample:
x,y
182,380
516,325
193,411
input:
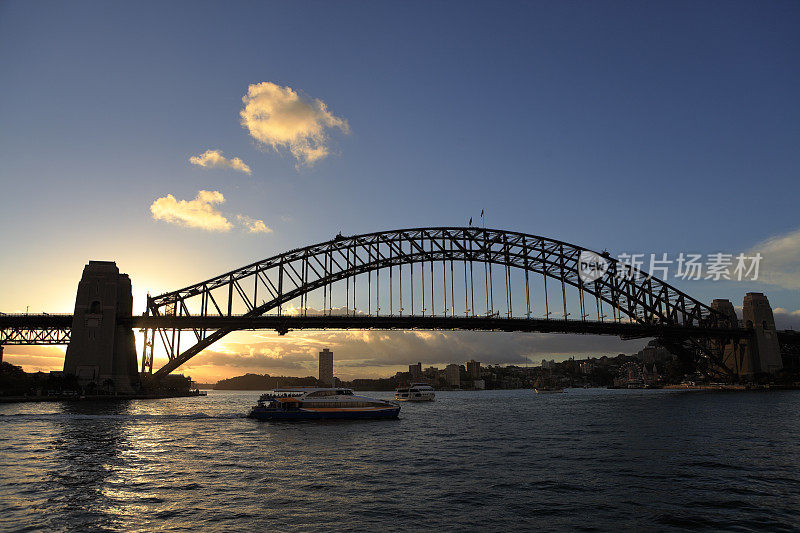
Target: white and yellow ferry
x,y
303,403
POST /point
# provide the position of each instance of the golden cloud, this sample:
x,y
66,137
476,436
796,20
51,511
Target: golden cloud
x,y
198,213
252,225
215,159
202,213
280,117
362,353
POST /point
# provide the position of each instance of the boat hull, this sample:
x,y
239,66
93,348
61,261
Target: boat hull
x,y
415,399
324,414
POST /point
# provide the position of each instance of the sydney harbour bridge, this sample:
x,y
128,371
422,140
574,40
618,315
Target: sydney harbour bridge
x,y
438,278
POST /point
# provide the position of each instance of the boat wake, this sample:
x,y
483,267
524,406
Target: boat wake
x,y
58,417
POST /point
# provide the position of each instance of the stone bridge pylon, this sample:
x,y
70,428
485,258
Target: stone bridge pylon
x,y
761,353
102,350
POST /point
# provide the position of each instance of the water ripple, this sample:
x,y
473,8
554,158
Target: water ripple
x,y
589,460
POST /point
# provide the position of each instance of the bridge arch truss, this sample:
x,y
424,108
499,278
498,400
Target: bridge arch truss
x,y
421,269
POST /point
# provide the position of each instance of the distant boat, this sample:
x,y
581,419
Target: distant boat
x,y
548,390
417,392
320,404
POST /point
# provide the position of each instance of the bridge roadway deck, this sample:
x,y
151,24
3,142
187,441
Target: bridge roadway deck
x,y
41,320
283,324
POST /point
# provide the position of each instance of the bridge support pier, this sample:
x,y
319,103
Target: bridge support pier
x,y
765,350
102,352
734,353
761,354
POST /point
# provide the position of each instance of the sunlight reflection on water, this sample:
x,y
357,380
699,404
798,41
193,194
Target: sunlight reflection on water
x,y
491,459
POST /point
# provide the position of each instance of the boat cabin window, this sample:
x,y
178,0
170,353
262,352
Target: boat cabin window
x,y
319,393
340,392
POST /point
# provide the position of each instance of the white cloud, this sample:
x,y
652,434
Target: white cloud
x,y
311,311
780,263
215,159
198,213
281,118
252,225
785,319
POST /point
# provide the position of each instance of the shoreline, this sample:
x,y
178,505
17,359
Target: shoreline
x,y
99,397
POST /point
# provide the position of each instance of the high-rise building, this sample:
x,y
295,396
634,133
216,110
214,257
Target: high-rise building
x,y
473,368
415,371
453,375
326,368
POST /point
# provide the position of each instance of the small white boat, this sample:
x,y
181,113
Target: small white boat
x,y
417,392
548,390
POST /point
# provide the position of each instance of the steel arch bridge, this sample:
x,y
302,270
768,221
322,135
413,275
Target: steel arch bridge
x,y
432,278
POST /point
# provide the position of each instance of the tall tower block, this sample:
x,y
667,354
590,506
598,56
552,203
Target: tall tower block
x,y
757,314
326,368
101,350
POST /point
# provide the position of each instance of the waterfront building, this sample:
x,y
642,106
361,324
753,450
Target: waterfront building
x,y
453,375
650,375
547,365
473,369
415,371
431,372
326,368
654,353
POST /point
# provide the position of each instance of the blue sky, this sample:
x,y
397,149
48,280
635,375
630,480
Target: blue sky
x,y
633,126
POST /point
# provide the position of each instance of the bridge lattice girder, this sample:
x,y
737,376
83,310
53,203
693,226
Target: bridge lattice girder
x,y
285,277
41,330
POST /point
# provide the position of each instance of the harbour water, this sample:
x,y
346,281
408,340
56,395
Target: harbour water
x,y
592,459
